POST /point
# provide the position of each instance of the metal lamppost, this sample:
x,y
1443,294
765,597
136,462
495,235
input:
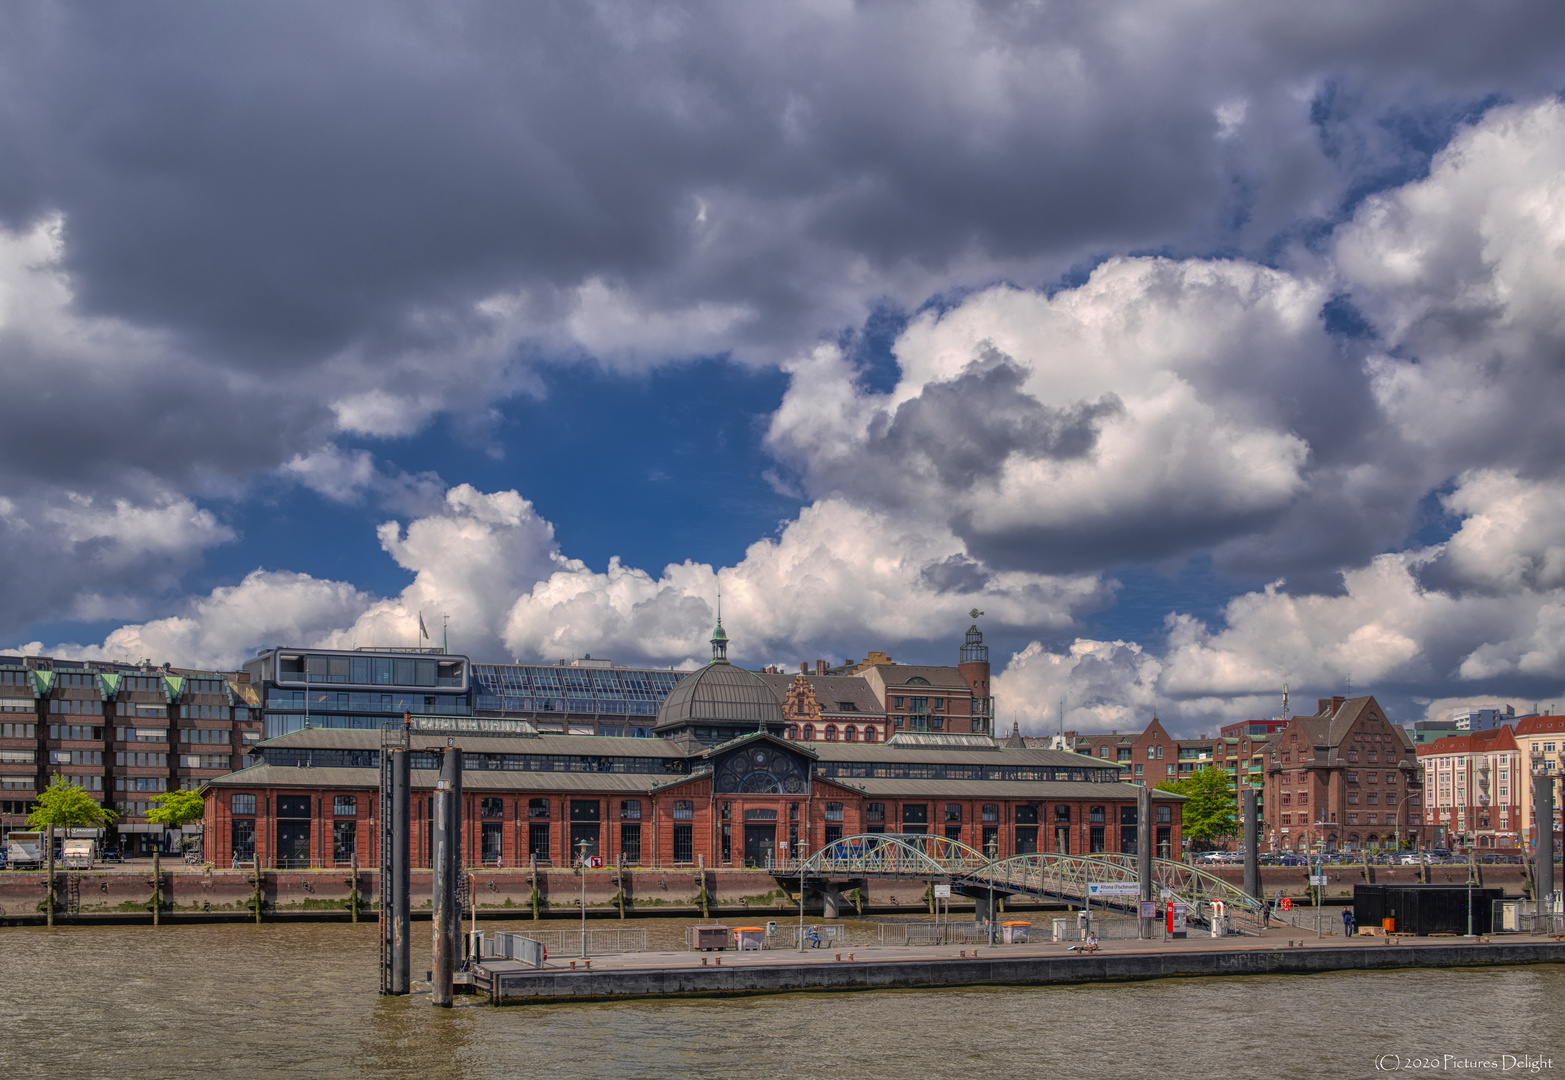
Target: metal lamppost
x,y
994,849
801,905
1469,884
584,845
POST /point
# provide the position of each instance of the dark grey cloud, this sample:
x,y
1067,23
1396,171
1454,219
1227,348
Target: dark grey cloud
x,y
280,183
959,432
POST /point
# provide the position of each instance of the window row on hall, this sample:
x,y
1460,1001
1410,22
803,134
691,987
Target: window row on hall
x,y
936,771
359,701
573,763
850,732
590,706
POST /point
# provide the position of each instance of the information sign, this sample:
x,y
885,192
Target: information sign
x,y
1113,888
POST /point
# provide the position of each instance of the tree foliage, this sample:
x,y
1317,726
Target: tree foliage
x,y
1209,804
176,808
64,805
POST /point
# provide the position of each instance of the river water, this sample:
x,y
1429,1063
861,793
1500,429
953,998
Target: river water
x,y
300,1001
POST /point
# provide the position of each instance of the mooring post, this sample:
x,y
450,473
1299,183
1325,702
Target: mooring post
x,y
440,898
454,852
49,896
1144,850
353,889
533,874
157,885
1252,860
401,871
447,862
622,884
256,866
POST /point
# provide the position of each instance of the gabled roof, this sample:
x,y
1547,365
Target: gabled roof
x,y
1494,740
1539,725
831,691
1330,730
896,676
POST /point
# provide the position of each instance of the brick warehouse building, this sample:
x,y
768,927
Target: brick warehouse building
x,y
722,785
1345,777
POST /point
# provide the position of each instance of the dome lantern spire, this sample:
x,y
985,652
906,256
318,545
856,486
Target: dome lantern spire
x,y
719,635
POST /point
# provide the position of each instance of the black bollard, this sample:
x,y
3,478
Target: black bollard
x,y
401,871
1252,863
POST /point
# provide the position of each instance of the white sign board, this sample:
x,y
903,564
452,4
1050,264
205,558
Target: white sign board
x,y
1113,888
1318,879
942,892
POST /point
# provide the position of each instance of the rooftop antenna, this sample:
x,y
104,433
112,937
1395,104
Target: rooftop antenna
x,y
1060,745
445,638
1285,701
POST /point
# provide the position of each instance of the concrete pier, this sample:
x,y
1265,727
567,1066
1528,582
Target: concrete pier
x,y
693,975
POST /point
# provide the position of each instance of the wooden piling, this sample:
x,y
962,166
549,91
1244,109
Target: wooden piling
x,y
157,887
49,896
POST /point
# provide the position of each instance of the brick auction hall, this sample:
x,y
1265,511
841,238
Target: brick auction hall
x,y
720,782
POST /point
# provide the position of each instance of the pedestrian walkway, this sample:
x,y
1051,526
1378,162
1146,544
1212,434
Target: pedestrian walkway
x,y
1268,941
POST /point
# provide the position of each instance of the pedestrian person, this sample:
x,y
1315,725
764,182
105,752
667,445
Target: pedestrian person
x,y
814,936
236,860
1347,922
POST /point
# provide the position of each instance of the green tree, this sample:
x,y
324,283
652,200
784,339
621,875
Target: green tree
x,y
64,805
175,808
1209,805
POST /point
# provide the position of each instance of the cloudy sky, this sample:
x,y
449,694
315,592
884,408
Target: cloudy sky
x,y
1205,346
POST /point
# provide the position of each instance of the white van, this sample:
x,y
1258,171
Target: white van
x,y
24,849
78,854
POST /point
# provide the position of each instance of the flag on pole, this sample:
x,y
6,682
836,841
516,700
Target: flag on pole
x,y
421,628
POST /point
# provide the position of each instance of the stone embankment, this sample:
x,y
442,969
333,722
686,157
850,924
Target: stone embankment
x,y
124,893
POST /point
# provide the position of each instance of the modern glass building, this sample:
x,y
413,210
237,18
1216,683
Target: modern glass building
x,y
575,697
364,688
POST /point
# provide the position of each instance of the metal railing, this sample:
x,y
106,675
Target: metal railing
x,y
599,942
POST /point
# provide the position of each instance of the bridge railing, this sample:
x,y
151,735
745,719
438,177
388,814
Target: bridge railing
x,y
888,854
1071,877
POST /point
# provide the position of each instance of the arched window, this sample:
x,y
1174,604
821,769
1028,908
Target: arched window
x,y
869,734
809,732
850,734
831,732
793,732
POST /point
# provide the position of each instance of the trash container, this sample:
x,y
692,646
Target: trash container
x,y
749,938
709,937
1388,925
1014,933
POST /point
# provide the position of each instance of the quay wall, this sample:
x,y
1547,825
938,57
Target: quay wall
x,y
554,986
127,890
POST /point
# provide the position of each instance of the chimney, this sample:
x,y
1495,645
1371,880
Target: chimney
x,y
1323,706
820,667
804,667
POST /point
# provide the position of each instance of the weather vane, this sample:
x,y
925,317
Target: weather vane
x,y
975,613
